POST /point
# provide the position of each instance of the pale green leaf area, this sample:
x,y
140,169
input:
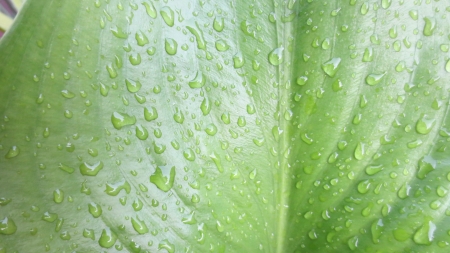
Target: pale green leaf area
x,y
225,126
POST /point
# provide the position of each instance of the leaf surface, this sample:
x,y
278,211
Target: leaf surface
x,y
225,126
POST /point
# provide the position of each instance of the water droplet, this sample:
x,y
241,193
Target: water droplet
x,y
238,60
199,80
211,129
360,151
364,186
403,192
107,238
49,217
377,230
353,243
222,46
447,66
168,15
373,169
414,14
178,116
12,152
201,44
218,24
95,209
133,86
425,124
120,120
135,59
331,67
430,25
241,121
217,161
425,234
111,71
368,55
276,56
89,233
141,39
67,94
205,106
150,115
141,132
189,154
386,3
115,188
219,226
171,46
139,225
118,32
226,118
373,79
150,9
426,165
87,169
58,196
161,181
7,227
165,244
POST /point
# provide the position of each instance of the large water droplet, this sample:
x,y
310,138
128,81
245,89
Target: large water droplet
x,y
151,114
430,25
168,15
218,24
139,225
107,238
276,56
133,86
199,80
171,46
141,39
87,169
150,9
425,124
141,132
426,165
120,120
331,67
95,209
7,227
12,152
373,79
360,151
161,181
425,234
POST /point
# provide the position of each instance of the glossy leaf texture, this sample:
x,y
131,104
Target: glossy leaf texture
x,y
225,126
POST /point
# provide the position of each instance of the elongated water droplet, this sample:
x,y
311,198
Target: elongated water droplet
x,y
87,169
89,233
163,182
430,25
426,165
205,106
331,67
111,71
368,55
168,15
373,169
377,229
360,151
171,46
58,196
199,80
120,120
189,155
201,44
217,162
218,24
276,56
238,60
141,132
150,9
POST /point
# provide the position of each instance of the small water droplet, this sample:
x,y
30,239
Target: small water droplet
x,y
205,106
141,39
139,225
189,155
87,169
221,45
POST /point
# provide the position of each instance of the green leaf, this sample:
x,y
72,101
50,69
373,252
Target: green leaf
x,y
225,126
